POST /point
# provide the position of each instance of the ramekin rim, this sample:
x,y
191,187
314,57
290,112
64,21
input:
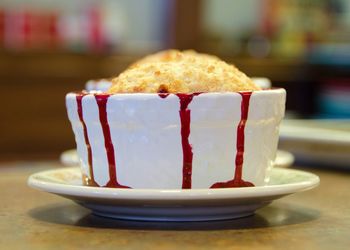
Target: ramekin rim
x,y
272,90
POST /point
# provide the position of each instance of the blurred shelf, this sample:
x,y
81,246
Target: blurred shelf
x,y
277,69
35,118
32,64
89,66
60,65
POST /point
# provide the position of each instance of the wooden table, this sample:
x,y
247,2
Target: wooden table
x,y
30,219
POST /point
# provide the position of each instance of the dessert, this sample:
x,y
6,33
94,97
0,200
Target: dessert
x,y
181,72
189,128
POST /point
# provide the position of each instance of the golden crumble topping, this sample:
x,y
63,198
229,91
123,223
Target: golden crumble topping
x,y
173,71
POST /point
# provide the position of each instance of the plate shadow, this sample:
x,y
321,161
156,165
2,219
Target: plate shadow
x,y
274,215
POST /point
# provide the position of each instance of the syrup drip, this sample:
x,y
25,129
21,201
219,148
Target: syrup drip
x,y
185,117
88,181
237,180
101,100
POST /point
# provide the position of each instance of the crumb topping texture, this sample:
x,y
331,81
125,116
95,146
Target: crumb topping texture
x,y
173,71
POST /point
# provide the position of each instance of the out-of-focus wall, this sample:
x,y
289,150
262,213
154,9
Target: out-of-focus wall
x,y
231,18
122,26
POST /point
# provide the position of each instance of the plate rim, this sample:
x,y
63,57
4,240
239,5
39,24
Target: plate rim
x,y
65,189
300,130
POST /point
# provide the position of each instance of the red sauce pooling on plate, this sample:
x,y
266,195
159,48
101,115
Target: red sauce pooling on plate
x,y
237,180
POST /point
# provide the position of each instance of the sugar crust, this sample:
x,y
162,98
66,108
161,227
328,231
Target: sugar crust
x,y
174,71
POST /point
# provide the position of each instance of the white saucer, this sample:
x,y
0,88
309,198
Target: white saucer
x,y
319,142
283,158
172,205
331,132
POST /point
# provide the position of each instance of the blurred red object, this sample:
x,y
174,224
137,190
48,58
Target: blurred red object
x,y
29,29
95,36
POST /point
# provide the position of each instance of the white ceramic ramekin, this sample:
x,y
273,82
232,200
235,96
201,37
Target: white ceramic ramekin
x,y
159,141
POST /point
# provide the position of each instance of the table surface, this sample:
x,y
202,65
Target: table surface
x,y
31,219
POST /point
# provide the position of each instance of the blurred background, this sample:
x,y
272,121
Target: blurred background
x,y
48,48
